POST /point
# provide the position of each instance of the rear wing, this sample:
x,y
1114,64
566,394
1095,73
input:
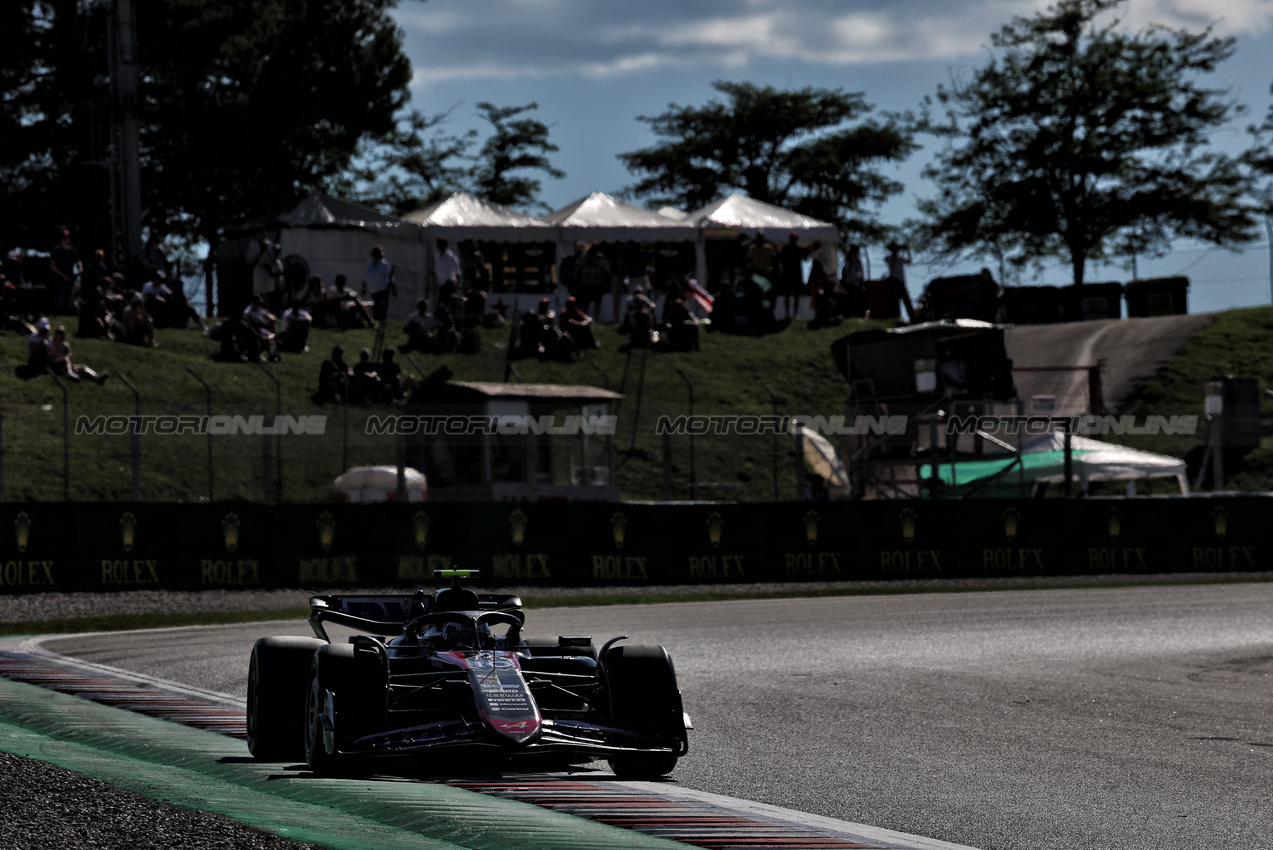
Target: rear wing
x,y
387,615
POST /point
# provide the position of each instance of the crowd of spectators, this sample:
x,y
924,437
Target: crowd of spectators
x,y
106,302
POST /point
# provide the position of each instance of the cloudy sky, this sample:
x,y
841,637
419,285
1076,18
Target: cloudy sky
x,y
593,66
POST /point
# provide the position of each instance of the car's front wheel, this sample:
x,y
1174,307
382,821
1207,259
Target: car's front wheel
x,y
342,694
278,678
645,698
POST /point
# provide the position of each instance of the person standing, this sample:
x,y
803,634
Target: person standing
x,y
64,262
377,279
791,268
899,257
568,269
446,269
262,256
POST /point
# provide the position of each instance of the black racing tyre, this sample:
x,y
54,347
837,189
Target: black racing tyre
x,y
278,680
645,698
356,686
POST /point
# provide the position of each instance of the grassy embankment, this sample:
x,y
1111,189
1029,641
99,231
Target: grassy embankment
x,y
729,376
1238,343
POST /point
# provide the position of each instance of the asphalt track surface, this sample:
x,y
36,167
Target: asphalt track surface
x,y
1129,351
1091,718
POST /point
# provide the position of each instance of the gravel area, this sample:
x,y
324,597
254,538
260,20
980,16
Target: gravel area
x,y
42,807
47,606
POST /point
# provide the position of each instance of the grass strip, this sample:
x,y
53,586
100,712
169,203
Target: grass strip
x,y
128,622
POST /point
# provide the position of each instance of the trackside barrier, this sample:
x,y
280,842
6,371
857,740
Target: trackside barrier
x,y
117,546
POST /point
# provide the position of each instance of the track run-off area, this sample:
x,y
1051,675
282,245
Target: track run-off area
x,y
1101,717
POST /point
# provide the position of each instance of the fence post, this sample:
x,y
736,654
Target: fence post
x,y
207,392
693,474
401,452
267,470
774,401
1,455
135,438
66,437
278,436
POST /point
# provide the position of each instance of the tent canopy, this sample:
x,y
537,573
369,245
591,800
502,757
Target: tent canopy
x,y
604,218
319,210
463,216
739,212
1043,460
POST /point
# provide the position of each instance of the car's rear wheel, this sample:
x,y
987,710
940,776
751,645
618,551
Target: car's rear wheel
x,y
645,698
345,689
278,679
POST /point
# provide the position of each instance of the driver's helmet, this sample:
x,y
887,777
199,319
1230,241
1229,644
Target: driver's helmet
x,y
457,634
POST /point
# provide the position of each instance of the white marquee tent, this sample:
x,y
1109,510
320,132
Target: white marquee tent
x,y
335,237
463,216
602,218
735,214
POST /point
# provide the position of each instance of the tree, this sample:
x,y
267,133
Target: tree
x,y
415,165
1261,157
420,163
794,149
49,159
1080,138
255,103
246,105
514,145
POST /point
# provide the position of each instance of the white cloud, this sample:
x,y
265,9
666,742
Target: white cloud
x,y
515,39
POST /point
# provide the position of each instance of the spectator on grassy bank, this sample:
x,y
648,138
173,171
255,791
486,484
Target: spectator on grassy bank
x,y
333,378
351,311
420,328
59,354
139,327
294,332
577,325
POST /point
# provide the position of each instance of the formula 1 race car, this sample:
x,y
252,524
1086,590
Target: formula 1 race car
x,y
446,681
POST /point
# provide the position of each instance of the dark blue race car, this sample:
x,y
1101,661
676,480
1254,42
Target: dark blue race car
x,y
440,682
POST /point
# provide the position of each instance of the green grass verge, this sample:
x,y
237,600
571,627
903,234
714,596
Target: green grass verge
x,y
126,622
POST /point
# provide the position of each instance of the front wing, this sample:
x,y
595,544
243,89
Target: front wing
x,y
567,737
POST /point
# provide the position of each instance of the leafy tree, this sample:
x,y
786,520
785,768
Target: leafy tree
x,y
1079,139
420,163
515,144
415,165
246,105
49,160
795,149
257,102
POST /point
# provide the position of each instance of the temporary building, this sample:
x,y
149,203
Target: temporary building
x,y
334,237
602,218
729,217
520,248
1042,461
